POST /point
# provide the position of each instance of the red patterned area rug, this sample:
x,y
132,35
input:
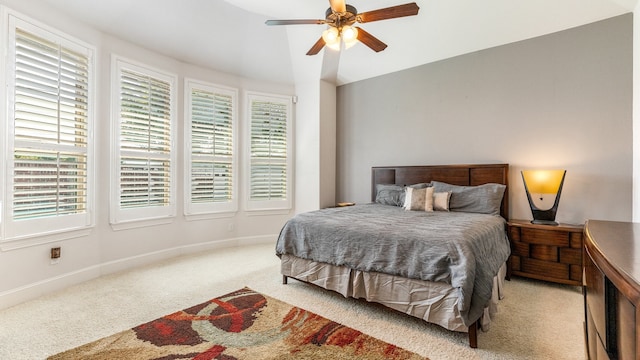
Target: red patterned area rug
x,y
240,325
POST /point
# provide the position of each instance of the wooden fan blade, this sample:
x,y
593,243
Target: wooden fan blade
x,y
294,22
338,6
371,41
388,13
316,47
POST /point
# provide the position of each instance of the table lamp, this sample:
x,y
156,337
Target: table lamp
x,y
543,182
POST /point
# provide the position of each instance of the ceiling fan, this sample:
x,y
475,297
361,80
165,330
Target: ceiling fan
x,y
341,16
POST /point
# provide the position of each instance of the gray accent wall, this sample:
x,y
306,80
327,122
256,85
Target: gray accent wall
x,y
560,101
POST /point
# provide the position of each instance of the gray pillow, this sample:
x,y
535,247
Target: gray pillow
x,y
391,194
484,199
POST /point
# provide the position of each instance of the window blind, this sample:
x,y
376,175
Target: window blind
x,y
145,141
50,128
211,147
268,173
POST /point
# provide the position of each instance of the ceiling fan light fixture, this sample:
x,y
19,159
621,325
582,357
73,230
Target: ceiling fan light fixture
x,y
331,35
349,36
349,33
349,44
334,46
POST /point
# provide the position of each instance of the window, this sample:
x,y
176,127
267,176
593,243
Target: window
x,y
49,127
269,141
210,131
143,128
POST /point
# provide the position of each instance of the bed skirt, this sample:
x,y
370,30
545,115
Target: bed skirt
x,y
434,302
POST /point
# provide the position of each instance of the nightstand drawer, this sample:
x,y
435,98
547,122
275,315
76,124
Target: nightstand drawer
x,y
545,237
546,268
520,248
544,252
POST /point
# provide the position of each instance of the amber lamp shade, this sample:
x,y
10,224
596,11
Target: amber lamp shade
x,y
543,182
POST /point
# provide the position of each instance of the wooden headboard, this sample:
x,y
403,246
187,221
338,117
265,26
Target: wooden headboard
x,y
466,175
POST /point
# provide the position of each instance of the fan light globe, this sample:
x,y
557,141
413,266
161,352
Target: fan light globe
x,y
331,36
335,46
349,36
349,33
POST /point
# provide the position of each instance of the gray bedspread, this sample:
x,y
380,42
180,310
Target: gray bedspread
x,y
462,249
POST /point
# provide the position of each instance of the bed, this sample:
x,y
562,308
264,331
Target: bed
x,y
445,266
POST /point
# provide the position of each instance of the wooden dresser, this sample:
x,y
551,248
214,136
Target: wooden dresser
x,y
612,290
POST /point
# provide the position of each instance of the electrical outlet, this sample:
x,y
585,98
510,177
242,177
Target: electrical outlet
x,y
55,255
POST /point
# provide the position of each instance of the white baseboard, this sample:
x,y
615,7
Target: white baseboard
x,y
41,288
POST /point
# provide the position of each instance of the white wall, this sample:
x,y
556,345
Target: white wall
x,y
562,100
307,142
28,272
315,145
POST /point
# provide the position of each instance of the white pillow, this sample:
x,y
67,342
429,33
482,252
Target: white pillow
x,y
419,199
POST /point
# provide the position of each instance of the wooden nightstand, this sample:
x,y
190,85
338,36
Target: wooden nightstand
x,y
546,252
343,204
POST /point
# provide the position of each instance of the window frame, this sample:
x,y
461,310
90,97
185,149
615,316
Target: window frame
x,y
269,206
28,232
209,209
142,216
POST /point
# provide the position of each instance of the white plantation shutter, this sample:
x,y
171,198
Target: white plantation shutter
x,y
211,119
145,140
50,120
48,183
144,129
270,149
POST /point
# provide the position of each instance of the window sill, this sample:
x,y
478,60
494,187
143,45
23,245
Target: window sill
x,y
209,216
266,212
41,239
134,224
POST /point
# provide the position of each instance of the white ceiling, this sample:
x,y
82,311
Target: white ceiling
x,y
230,35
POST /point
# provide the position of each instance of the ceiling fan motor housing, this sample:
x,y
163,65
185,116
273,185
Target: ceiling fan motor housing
x,y
339,20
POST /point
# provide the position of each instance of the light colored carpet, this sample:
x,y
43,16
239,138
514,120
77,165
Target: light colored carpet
x,y
536,320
